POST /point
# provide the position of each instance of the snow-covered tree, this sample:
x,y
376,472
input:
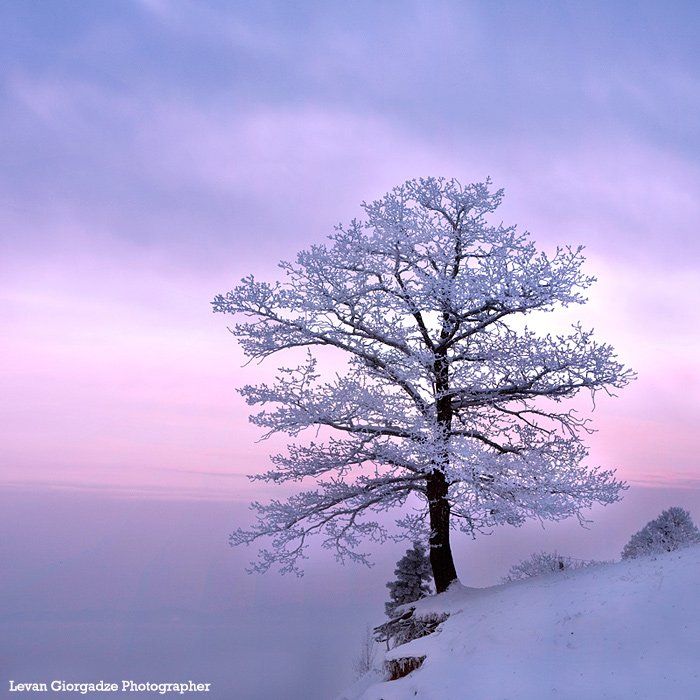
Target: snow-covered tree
x,y
413,579
412,582
674,528
542,563
444,397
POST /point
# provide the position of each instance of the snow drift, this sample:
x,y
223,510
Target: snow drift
x,y
626,630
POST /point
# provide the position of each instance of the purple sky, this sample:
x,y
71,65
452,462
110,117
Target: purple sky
x,y
154,152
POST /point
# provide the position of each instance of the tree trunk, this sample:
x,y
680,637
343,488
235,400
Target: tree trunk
x,y
443,566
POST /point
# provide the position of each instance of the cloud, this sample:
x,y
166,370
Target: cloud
x,y
152,159
158,169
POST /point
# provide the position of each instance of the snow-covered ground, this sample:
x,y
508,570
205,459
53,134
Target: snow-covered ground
x,y
625,630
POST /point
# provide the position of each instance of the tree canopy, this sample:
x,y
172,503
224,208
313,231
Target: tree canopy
x,y
445,395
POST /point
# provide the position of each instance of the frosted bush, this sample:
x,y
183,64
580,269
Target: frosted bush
x,y
543,563
674,528
365,659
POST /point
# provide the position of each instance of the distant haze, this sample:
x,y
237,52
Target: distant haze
x,y
97,586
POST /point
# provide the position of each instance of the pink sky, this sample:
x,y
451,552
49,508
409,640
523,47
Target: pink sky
x,y
136,189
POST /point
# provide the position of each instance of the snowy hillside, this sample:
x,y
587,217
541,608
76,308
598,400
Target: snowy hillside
x,y
626,630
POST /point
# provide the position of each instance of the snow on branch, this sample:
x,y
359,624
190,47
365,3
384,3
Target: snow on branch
x,y
442,381
337,511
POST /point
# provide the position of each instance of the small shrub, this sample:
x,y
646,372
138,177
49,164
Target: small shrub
x,y
364,661
674,528
543,563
